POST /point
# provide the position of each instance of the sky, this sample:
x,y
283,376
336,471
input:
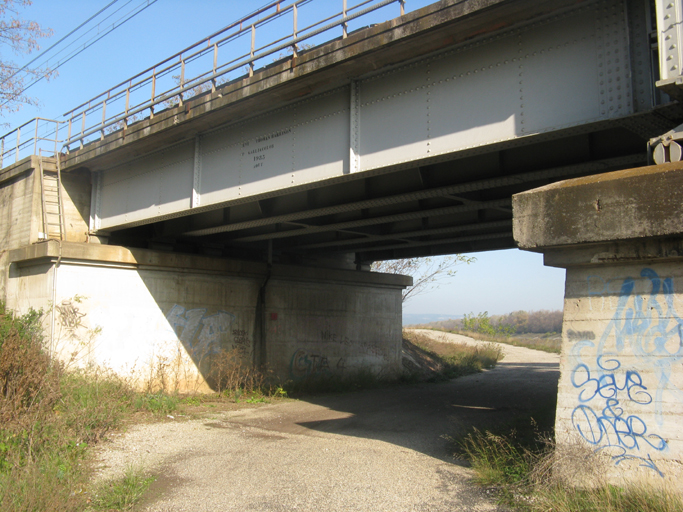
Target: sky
x,y
498,282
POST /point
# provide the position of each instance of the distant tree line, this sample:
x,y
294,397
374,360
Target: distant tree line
x,y
517,322
531,321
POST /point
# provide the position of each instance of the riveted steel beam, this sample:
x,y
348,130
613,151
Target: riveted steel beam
x,y
356,243
449,210
563,171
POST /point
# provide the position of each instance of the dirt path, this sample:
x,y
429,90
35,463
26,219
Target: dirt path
x,y
380,450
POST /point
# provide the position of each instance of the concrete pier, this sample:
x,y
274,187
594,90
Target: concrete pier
x,y
619,235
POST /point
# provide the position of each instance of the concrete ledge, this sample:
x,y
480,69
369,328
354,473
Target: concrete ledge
x,y
644,252
112,255
633,204
26,164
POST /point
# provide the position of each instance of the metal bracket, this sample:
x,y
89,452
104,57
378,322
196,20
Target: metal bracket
x,y
667,147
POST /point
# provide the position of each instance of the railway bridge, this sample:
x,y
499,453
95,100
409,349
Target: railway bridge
x,y
227,202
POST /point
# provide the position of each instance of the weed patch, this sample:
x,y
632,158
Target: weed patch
x,y
528,472
122,493
48,419
157,403
230,373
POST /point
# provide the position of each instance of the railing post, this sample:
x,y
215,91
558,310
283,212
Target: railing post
x,y
56,137
182,80
215,63
344,24
68,134
154,86
251,54
2,152
125,113
16,151
104,116
295,12
35,137
82,128
402,3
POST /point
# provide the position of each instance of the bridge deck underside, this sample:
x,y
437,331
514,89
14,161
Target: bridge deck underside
x,y
454,206
419,158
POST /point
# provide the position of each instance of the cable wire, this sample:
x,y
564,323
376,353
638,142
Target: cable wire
x,y
62,39
85,47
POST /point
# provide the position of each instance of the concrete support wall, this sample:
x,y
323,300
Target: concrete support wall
x,y
164,319
620,237
317,329
21,214
621,386
20,209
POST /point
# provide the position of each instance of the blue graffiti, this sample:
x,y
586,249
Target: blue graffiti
x,y
647,328
199,333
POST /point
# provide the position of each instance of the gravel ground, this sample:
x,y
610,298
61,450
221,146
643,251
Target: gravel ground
x,y
379,450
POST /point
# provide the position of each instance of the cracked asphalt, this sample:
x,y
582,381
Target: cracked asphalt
x,y
378,450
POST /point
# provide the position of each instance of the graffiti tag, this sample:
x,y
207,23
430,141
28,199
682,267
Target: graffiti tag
x,y
69,316
200,333
644,327
304,364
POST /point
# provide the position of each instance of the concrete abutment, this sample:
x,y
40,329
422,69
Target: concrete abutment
x,y
164,318
620,238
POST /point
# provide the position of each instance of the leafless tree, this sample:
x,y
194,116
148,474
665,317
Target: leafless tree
x,y
427,273
20,36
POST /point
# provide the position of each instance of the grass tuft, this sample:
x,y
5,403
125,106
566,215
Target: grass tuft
x,y
157,403
122,493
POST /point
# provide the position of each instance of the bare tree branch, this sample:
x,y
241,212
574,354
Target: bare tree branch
x,y
21,37
427,273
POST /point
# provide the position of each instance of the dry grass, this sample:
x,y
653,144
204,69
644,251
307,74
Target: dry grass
x,y
230,372
550,342
540,477
457,359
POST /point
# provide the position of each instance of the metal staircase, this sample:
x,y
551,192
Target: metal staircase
x,y
51,198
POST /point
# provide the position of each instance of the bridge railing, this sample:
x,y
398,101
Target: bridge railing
x,y
230,54
37,136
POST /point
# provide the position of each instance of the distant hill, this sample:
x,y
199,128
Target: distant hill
x,y
425,318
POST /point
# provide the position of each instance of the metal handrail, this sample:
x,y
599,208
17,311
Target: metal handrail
x,y
17,146
208,79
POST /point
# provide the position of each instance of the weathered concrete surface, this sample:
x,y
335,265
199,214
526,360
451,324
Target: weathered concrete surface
x,y
166,317
619,236
621,389
380,450
20,209
622,205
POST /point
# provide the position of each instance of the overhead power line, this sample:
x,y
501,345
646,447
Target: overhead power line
x,y
116,24
60,41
